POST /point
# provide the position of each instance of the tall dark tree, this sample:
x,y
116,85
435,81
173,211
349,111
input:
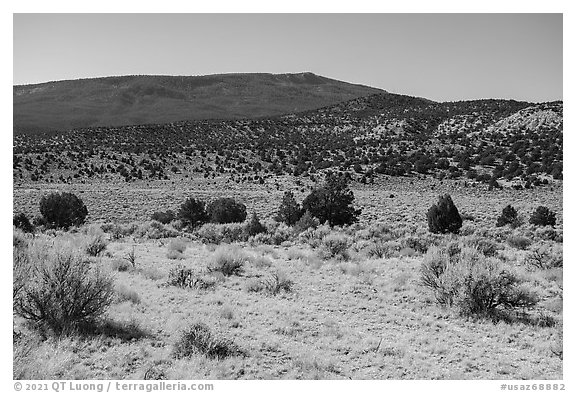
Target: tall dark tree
x,y
62,210
443,217
192,213
289,211
332,202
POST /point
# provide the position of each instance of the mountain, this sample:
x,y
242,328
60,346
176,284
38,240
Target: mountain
x,y
487,141
124,100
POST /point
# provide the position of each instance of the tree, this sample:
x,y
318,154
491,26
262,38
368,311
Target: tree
x,y
255,227
332,202
62,210
192,213
22,222
289,211
509,216
226,210
542,216
444,217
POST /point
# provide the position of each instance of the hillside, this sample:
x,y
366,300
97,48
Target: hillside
x,y
116,101
497,142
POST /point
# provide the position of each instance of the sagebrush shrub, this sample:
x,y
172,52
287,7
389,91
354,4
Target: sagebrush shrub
x,y
545,257
228,260
275,283
63,210
336,246
443,217
183,277
192,213
519,242
305,222
543,216
96,245
474,284
62,291
226,210
198,339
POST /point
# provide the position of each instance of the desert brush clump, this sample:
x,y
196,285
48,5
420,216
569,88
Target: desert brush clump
x,y
544,256
176,249
198,339
183,277
518,241
335,245
62,290
228,260
474,284
543,216
274,283
96,244
305,222
443,217
63,210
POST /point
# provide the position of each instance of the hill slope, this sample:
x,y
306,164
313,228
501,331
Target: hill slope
x,y
382,134
124,100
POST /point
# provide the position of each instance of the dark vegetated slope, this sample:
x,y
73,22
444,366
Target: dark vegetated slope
x,y
114,101
483,140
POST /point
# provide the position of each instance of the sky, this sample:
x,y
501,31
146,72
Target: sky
x,y
443,57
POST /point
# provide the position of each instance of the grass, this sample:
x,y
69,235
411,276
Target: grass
x,y
360,318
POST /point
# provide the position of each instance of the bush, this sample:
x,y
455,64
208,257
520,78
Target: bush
x,y
519,242
228,260
62,210
509,216
474,284
336,246
332,203
380,249
199,340
306,221
192,213
444,217
542,216
22,222
289,211
96,244
545,257
226,210
62,291
164,217
273,284
183,277
255,227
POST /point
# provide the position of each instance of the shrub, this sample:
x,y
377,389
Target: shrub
x,y
184,277
289,211
155,230
121,265
306,221
544,257
199,340
509,216
125,294
474,284
255,227
22,222
380,249
192,213
165,217
519,242
444,217
96,245
63,291
228,260
226,210
336,246
542,216
273,284
62,210
332,203
177,245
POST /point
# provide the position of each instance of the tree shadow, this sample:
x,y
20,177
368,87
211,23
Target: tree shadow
x,y
125,331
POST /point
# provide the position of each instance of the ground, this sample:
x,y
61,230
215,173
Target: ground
x,y
356,318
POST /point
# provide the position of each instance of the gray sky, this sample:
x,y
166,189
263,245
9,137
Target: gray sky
x,y
443,57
